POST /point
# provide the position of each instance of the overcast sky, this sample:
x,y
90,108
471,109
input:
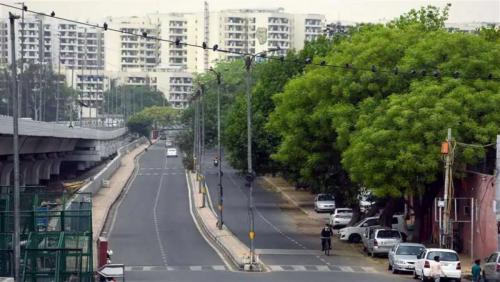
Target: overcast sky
x,y
344,10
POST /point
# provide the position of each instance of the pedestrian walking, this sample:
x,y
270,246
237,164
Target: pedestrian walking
x,y
476,271
436,270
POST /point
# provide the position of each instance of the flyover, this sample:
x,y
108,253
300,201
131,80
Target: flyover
x,y
43,147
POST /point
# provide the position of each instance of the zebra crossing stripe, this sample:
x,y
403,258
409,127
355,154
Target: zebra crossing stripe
x,y
299,268
346,268
323,268
219,267
368,269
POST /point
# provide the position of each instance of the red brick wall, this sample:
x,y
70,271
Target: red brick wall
x,y
482,188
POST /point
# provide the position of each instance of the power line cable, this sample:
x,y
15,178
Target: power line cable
x,y
435,73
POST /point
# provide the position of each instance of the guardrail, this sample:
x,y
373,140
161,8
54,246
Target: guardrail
x,y
105,174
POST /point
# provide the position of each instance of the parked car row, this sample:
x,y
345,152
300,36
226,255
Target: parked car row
x,y
355,233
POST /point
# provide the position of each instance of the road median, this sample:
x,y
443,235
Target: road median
x,y
234,252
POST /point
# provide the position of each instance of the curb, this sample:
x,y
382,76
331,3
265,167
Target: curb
x,y
234,262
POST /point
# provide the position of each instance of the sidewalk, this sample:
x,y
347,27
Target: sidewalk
x,y
104,199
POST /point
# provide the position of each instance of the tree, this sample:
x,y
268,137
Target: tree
x,y
127,99
269,78
32,104
141,124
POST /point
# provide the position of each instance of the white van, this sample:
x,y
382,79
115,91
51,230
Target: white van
x,y
354,233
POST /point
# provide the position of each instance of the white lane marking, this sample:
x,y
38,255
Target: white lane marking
x,y
346,268
322,268
155,220
299,267
286,252
195,268
275,267
219,267
222,257
368,269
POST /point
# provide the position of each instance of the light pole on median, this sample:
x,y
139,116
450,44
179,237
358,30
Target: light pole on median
x,y
251,175
220,221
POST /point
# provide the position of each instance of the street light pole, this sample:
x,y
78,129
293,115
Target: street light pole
x,y
251,175
220,221
15,146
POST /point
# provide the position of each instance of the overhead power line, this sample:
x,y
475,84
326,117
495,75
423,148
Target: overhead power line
x,y
434,73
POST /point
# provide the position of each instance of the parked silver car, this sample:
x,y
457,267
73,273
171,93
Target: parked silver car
x,y
491,268
380,240
403,256
324,203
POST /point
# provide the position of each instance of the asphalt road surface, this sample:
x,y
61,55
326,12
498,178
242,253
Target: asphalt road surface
x,y
155,237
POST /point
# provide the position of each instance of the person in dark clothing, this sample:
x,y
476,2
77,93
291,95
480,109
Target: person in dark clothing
x,y
326,238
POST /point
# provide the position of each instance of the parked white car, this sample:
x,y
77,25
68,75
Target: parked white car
x,y
381,240
450,264
340,217
324,203
491,268
403,256
171,152
354,233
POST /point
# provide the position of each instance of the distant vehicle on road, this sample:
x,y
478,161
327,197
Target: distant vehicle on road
x,y
403,256
354,233
171,152
491,268
381,240
340,217
450,264
324,203
168,143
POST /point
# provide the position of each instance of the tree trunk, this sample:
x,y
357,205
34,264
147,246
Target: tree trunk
x,y
388,212
356,214
419,214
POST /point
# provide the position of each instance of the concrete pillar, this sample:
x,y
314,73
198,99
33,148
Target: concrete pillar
x,y
55,169
25,172
46,169
6,174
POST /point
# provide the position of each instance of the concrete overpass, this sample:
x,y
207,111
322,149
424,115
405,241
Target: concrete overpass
x,y
44,147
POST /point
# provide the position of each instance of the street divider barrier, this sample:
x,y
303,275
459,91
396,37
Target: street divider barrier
x,y
105,174
226,243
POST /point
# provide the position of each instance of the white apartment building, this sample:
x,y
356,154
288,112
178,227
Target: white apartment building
x,y
131,50
186,28
259,30
175,83
4,43
307,27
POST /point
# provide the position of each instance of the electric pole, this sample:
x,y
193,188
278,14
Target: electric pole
x,y
15,146
202,146
447,187
220,221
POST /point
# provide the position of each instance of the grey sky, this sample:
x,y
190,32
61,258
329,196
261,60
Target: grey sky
x,y
345,10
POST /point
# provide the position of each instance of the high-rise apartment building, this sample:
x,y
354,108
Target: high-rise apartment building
x,y
133,49
183,28
258,30
4,43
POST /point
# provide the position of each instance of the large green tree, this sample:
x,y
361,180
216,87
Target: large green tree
x,y
348,122
269,78
127,99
